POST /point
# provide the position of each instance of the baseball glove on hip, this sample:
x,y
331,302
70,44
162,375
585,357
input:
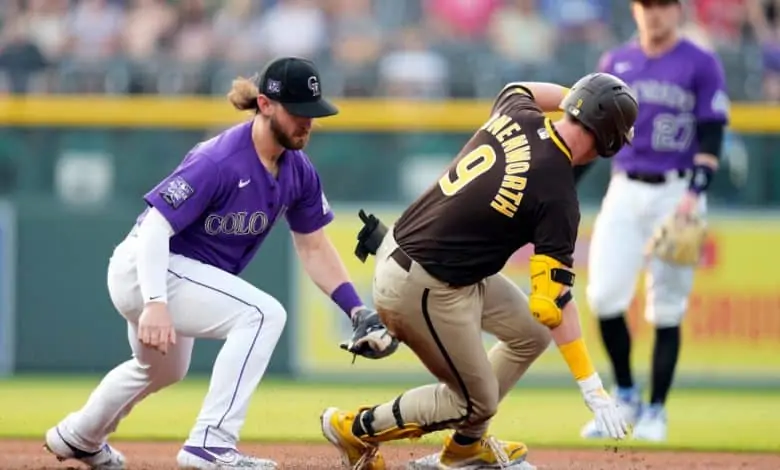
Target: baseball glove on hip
x,y
679,239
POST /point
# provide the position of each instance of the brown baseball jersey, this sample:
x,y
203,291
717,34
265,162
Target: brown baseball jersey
x,y
511,184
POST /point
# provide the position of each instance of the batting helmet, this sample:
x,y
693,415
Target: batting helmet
x,y
605,106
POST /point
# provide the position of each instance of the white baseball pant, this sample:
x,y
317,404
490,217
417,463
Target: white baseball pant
x,y
204,302
630,212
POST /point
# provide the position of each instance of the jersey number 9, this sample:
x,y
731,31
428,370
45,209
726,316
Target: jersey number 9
x,y
475,163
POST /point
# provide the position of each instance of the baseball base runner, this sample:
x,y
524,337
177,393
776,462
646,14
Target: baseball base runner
x,y
175,276
437,283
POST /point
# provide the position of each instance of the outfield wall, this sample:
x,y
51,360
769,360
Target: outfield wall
x,y
8,263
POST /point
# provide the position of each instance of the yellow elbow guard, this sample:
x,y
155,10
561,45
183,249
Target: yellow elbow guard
x,y
549,277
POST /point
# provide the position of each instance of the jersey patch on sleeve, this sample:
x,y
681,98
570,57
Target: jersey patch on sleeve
x,y
720,102
176,192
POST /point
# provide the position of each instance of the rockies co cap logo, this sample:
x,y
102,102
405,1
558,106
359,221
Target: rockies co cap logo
x,y
314,86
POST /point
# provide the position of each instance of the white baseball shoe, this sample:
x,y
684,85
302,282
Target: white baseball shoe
x,y
629,403
651,425
105,458
208,458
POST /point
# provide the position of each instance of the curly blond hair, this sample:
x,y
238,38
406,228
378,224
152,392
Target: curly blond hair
x,y
243,94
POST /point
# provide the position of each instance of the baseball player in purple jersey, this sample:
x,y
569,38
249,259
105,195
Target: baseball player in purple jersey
x,y
683,110
175,276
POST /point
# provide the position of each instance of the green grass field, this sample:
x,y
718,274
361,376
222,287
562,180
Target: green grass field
x,y
285,411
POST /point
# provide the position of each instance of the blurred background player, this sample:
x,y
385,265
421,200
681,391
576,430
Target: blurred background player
x,y
683,110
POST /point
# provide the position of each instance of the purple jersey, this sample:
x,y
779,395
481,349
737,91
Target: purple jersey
x,y
675,92
222,202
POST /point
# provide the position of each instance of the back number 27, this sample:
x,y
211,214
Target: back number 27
x,y
475,163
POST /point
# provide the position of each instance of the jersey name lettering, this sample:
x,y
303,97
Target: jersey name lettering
x,y
517,152
664,94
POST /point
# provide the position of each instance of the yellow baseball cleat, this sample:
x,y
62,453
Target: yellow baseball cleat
x,y
488,453
356,454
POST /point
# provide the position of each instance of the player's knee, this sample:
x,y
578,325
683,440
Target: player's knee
x,y
664,315
538,339
275,313
266,311
606,303
483,403
668,298
484,410
175,374
161,374
532,343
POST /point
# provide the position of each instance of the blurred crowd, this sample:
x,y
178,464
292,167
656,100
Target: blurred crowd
x,y
425,49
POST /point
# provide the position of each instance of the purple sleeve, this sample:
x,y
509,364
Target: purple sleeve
x,y
712,101
311,210
185,194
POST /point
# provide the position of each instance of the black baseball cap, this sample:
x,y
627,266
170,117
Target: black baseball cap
x,y
295,83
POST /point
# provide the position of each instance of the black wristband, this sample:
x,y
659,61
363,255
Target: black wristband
x,y
701,179
710,137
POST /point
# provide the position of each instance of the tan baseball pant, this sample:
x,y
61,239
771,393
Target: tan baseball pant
x,y
443,326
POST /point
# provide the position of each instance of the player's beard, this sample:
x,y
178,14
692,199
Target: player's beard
x,y
290,142
661,36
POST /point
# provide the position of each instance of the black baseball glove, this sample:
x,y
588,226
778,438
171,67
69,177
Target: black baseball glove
x,y
370,236
370,337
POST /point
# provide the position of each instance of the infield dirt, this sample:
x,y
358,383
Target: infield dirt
x,y
30,455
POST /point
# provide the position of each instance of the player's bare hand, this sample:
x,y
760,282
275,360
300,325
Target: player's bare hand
x,y
688,203
155,329
604,408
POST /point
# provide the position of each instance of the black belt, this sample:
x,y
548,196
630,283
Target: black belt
x,y
653,178
403,260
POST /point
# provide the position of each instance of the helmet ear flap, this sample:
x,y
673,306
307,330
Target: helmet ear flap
x,y
618,129
607,147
